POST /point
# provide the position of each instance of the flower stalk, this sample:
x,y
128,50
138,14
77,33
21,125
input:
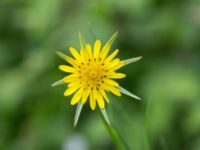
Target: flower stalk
x,y
113,133
91,74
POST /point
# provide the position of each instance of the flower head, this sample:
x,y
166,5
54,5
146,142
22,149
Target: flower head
x,y
91,74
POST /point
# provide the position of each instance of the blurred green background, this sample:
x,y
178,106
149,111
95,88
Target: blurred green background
x,y
35,116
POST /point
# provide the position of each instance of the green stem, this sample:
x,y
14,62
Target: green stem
x,y
113,133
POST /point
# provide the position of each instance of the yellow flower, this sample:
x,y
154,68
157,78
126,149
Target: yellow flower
x,y
91,73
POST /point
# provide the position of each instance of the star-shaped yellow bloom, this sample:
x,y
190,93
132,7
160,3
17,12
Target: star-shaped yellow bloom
x,y
91,74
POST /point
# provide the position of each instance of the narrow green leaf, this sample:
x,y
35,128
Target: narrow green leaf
x,y
103,111
131,60
78,112
60,82
124,91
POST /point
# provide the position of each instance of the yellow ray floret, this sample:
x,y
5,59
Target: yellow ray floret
x,y
91,73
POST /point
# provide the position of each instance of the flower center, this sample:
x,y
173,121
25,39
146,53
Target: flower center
x,y
93,74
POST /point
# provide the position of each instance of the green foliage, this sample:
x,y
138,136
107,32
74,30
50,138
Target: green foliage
x,y
36,116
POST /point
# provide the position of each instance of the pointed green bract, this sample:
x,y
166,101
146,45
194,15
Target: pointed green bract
x,y
60,82
104,113
82,40
78,112
97,65
131,60
61,55
107,46
124,91
112,38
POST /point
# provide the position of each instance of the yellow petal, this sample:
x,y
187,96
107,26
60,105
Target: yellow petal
x,y
113,63
89,50
100,100
104,51
103,93
95,93
118,66
117,75
70,78
112,89
77,96
109,58
97,47
83,53
74,83
92,101
70,60
85,95
71,90
107,46
66,68
111,82
75,53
